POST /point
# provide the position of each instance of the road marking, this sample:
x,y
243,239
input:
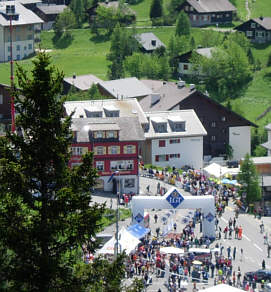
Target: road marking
x,y
258,247
223,219
246,237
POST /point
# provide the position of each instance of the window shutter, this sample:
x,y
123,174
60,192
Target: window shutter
x,y
166,157
134,149
84,150
95,150
156,157
125,149
104,150
94,135
118,149
104,135
115,134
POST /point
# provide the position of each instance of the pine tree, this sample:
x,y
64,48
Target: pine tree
x,y
156,9
183,25
46,211
249,180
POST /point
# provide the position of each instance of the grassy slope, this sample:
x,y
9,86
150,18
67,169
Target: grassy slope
x,y
260,8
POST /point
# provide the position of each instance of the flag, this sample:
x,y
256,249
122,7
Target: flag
x,y
112,175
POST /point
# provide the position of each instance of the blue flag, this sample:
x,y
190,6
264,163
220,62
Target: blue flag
x,y
112,175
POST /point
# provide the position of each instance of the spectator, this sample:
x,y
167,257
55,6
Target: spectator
x,y
155,218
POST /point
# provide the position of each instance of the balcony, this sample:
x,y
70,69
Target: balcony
x,y
37,31
37,40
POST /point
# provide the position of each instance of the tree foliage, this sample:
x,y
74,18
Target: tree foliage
x,y
183,25
46,209
226,72
77,6
156,9
123,44
64,22
249,180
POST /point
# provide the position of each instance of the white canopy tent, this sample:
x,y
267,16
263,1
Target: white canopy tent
x,y
171,250
215,170
221,288
127,242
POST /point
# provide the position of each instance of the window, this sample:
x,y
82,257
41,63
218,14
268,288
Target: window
x,y
77,151
30,27
30,37
249,33
29,46
100,150
8,48
100,165
114,150
176,155
227,15
206,17
213,138
161,128
122,165
162,143
179,127
18,37
191,8
25,48
162,157
129,149
1,99
129,183
174,141
194,17
18,47
213,124
185,66
223,118
253,25
99,134
110,134
260,34
186,8
18,57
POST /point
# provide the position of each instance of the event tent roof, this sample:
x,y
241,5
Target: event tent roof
x,y
219,171
127,242
138,231
221,288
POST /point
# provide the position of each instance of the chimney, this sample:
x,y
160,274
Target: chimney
x,y
155,97
192,87
153,43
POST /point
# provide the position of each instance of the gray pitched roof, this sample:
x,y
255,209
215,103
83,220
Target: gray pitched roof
x,y
268,127
30,1
170,95
264,22
125,88
26,16
193,126
83,82
51,8
267,145
149,41
205,52
129,127
202,6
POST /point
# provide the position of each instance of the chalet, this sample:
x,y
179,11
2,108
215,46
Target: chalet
x,y
148,42
185,67
124,88
174,138
48,13
258,30
208,12
80,82
224,127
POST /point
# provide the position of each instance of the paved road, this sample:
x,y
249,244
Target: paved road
x,y
252,243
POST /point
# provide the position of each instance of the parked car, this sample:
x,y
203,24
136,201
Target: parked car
x,y
233,164
259,275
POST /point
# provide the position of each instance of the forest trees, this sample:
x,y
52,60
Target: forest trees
x,y
64,22
46,209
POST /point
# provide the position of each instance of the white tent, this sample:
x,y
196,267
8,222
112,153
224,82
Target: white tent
x,y
127,242
171,249
221,288
215,170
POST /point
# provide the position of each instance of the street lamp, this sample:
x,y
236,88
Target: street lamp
x,y
116,247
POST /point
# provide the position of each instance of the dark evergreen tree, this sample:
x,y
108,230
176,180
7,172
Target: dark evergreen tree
x,y
156,9
46,209
249,180
183,24
250,57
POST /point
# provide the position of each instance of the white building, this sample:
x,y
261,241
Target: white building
x,y
267,144
26,26
174,138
